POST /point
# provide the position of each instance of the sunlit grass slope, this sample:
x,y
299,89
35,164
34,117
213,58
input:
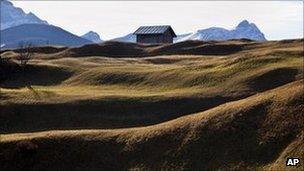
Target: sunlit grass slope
x,y
234,105
257,132
67,92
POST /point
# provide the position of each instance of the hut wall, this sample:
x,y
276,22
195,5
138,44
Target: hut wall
x,y
155,38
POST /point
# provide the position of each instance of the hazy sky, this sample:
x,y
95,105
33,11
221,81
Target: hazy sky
x,y
276,19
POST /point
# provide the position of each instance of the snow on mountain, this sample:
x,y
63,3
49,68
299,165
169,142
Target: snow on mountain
x,y
244,30
92,36
18,26
127,38
181,36
249,31
12,16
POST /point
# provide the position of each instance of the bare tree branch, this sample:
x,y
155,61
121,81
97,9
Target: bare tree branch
x,y
24,53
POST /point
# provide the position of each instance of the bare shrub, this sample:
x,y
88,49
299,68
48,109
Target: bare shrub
x,y
26,149
24,53
25,154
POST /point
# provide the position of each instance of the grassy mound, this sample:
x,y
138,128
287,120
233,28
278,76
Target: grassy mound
x,y
119,49
112,49
237,107
200,48
67,93
245,134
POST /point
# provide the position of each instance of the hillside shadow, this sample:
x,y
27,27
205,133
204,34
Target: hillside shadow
x,y
36,75
273,78
109,113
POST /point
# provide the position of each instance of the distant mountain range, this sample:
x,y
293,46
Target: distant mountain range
x,y
38,35
244,30
92,36
18,26
127,38
12,16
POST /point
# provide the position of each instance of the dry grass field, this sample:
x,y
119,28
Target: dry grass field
x,y
234,105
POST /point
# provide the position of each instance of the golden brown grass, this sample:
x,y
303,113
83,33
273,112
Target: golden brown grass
x,y
124,92
244,108
245,134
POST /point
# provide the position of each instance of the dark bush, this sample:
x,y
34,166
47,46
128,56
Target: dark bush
x,y
26,149
25,154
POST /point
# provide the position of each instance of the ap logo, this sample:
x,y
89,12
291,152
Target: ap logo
x,y
292,161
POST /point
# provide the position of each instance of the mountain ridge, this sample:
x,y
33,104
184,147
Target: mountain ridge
x,y
244,30
13,16
92,36
39,35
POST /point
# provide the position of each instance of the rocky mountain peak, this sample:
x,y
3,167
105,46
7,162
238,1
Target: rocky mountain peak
x,y
243,24
5,2
92,36
244,30
12,16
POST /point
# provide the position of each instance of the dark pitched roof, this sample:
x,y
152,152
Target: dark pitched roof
x,y
154,30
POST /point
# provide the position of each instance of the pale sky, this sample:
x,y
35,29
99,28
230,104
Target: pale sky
x,y
111,19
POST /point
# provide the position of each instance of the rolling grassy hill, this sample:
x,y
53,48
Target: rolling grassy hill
x,y
192,105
